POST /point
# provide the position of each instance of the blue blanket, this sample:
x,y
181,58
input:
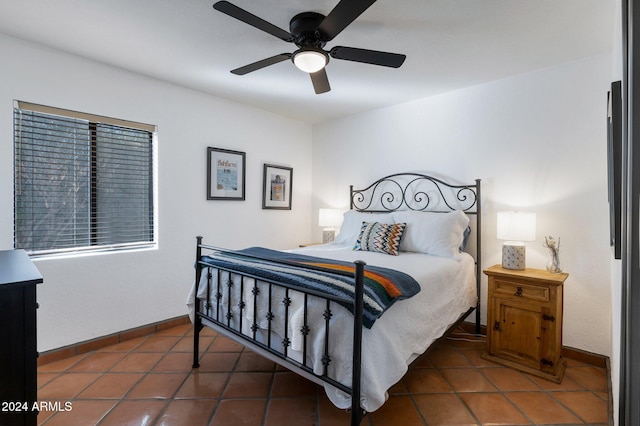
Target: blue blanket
x,y
382,286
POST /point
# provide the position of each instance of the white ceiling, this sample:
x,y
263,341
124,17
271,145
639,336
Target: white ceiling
x,y
449,44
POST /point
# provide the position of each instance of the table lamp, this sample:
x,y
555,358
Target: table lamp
x,y
515,227
329,219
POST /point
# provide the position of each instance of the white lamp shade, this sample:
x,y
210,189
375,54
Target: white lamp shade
x,y
329,218
310,61
516,226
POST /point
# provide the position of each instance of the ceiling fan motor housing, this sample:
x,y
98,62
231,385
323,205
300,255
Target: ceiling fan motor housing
x,y
304,28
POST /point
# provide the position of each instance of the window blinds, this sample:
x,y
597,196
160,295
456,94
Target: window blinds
x,y
82,182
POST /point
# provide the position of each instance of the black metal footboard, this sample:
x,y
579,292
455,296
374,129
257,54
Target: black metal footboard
x,y
229,318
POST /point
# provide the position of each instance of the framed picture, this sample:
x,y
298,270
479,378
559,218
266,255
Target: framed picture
x,y
278,183
225,174
614,165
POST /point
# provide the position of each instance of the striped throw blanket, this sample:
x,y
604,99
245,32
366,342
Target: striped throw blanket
x,y
382,286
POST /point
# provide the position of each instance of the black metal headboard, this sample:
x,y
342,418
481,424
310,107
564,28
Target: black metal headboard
x,y
414,191
420,192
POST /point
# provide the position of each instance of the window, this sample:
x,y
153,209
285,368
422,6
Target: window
x,y
81,182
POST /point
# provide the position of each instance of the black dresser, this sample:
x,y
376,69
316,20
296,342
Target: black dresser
x,y
18,351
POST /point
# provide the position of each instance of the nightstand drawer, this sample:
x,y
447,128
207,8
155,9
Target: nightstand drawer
x,y
511,288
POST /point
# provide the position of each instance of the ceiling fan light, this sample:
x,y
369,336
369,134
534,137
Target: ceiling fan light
x,y
310,61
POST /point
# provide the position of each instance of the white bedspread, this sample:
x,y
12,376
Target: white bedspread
x,y
405,331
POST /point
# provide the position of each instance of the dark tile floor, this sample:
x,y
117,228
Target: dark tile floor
x,y
149,381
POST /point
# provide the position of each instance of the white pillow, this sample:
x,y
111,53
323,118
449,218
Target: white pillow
x,y
440,234
352,224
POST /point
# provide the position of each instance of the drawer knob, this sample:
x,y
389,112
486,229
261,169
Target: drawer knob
x,y
518,292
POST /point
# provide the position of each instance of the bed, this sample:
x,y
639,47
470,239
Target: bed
x,y
353,314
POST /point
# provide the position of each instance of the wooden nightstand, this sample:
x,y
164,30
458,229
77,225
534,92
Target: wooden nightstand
x,y
309,244
524,321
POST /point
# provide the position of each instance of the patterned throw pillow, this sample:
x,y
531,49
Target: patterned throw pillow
x,y
380,237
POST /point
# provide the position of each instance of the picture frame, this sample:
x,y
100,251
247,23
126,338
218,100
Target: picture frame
x,y
614,165
277,187
225,174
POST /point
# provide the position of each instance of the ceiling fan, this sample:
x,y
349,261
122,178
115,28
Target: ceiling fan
x,y
310,31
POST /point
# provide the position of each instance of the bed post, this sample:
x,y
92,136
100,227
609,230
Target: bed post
x,y
197,321
350,197
356,411
478,254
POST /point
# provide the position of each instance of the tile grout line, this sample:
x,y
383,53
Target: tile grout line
x,y
502,393
585,388
267,403
498,390
143,376
123,398
74,398
219,399
227,382
169,399
481,371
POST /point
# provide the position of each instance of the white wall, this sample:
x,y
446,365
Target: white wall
x,y
91,296
537,141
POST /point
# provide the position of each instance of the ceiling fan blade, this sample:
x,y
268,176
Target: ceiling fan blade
x,y
320,81
261,64
374,57
251,19
341,16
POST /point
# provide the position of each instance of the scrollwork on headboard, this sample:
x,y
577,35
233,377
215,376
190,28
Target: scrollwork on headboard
x,y
414,191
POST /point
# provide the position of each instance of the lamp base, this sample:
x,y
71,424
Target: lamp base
x,y
328,235
513,255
